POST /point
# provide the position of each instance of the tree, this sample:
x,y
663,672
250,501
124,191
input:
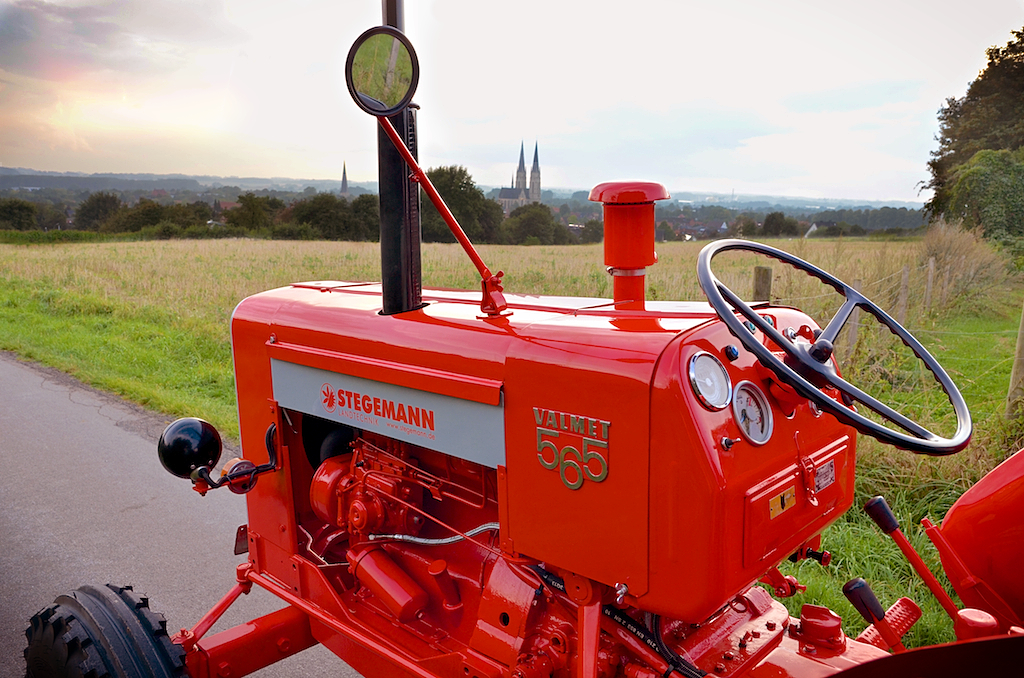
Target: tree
x,y
778,224
745,226
989,116
666,232
366,217
17,214
325,212
96,209
132,219
988,191
478,216
50,217
254,212
773,224
593,231
535,224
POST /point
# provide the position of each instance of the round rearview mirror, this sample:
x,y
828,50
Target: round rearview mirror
x,y
382,71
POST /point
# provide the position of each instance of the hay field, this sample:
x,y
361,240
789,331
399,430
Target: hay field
x,y
198,283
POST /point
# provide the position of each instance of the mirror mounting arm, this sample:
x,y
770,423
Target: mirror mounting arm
x,y
493,302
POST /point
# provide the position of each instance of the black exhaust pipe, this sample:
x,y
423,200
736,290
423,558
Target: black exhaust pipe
x,y
401,275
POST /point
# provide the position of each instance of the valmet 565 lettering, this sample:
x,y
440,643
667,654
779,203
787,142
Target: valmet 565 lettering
x,y
575,445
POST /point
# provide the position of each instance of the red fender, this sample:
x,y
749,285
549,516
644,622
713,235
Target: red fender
x,y
981,543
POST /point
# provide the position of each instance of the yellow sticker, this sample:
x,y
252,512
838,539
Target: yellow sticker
x,y
781,502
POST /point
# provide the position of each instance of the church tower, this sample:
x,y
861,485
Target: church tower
x,y
521,172
344,181
535,177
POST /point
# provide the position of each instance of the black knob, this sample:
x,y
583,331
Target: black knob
x,y
859,593
823,557
821,350
879,511
187,445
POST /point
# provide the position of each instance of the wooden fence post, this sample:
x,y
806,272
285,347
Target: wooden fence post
x,y
928,287
901,308
762,283
1015,394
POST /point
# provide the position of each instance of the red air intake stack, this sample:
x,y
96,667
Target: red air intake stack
x,y
628,236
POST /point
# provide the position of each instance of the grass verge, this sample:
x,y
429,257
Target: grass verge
x,y
145,355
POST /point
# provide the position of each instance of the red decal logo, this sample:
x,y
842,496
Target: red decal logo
x,y
328,398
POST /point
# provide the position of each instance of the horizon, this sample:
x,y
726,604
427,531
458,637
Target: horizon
x,y
372,187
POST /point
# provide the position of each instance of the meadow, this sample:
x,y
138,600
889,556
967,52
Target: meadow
x,y
150,321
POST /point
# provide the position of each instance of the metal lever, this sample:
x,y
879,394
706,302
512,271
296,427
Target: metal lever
x,y
879,511
859,593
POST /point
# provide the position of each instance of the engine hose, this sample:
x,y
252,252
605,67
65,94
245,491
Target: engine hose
x,y
653,641
666,651
486,527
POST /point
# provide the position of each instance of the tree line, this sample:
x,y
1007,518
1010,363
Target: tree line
x,y
313,216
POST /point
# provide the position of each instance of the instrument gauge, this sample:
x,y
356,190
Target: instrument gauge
x,y
710,381
752,412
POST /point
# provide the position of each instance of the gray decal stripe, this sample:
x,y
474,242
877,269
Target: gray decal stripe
x,y
462,428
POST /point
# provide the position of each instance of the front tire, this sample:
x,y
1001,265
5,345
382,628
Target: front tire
x,y
101,632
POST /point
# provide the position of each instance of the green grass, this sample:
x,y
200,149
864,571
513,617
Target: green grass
x,y
147,355
50,237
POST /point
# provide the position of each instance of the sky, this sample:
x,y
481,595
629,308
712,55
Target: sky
x,y
811,99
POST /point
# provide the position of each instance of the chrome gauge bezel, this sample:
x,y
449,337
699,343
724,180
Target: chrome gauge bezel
x,y
762,404
703,397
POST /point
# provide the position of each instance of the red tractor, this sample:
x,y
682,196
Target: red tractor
x,y
480,485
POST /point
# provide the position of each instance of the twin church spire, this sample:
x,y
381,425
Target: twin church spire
x,y
522,193
533,189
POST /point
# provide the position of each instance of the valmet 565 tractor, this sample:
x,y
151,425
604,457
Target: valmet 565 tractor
x,y
473,484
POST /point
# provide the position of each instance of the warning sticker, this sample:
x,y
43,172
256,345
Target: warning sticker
x,y
782,502
825,475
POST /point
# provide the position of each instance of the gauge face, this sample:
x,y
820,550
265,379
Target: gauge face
x,y
710,381
752,413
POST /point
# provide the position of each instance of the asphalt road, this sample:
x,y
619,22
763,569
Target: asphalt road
x,y
84,500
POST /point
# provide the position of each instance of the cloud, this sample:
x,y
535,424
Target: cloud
x,y
62,43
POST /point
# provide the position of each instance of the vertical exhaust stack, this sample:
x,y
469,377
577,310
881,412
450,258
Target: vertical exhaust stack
x,y
628,236
401,276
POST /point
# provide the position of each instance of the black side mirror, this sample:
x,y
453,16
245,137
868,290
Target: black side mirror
x,y
382,71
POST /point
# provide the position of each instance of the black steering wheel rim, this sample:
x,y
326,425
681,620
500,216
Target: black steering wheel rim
x,y
815,372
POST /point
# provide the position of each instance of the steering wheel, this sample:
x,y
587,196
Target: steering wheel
x,y
808,367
